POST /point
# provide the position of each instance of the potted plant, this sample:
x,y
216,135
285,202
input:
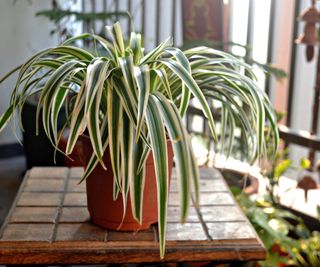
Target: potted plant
x,y
129,106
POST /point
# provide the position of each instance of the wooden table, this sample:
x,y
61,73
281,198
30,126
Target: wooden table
x,y
49,224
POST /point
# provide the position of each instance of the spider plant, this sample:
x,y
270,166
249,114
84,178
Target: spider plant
x,y
133,102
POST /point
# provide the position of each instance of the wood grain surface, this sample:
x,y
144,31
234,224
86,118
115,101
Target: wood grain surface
x,y
49,224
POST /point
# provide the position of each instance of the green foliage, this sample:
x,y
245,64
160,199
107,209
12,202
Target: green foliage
x,y
278,166
287,239
305,163
310,250
56,15
133,102
62,17
271,69
281,168
284,235
268,68
280,115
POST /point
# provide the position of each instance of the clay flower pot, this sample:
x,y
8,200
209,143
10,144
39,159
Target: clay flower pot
x,y
106,212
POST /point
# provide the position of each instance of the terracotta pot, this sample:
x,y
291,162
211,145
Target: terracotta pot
x,y
108,213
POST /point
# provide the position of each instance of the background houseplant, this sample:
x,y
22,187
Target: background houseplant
x,y
291,238
133,102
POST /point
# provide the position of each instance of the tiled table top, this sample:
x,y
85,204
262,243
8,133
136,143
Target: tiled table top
x,y
49,224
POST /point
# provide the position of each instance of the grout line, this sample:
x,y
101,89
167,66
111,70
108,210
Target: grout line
x,y
205,205
49,206
242,212
155,233
228,221
47,222
59,211
105,239
197,208
210,221
38,178
74,206
43,191
52,191
203,224
209,191
32,222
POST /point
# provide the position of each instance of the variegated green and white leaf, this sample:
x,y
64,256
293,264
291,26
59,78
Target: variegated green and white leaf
x,y
127,134
116,34
159,151
194,88
138,177
142,78
78,120
96,74
127,68
184,62
93,162
163,77
135,46
48,92
155,53
179,138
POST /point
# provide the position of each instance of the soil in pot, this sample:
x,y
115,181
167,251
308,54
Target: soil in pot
x,y
108,213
